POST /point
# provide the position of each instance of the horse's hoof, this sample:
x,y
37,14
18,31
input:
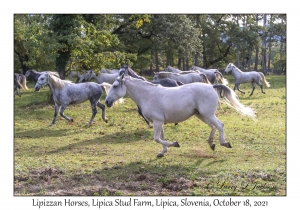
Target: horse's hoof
x,y
175,144
159,155
71,120
106,120
227,144
150,126
212,146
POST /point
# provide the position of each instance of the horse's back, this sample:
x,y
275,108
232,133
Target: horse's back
x,y
79,92
179,103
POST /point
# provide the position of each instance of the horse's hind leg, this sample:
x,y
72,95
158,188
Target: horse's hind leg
x,y
102,107
159,138
214,123
253,88
262,88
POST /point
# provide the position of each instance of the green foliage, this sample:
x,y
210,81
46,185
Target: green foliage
x,y
65,42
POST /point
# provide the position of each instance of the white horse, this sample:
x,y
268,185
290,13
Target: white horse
x,y
113,71
245,77
104,77
174,70
84,77
212,74
183,78
176,104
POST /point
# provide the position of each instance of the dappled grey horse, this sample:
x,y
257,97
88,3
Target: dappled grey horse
x,y
246,77
197,99
66,92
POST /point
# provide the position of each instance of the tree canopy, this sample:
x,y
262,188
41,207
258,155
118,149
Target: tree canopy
x,y
65,42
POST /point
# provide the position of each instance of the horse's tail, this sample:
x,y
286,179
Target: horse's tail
x,y
107,87
204,78
232,100
263,78
220,77
23,82
18,84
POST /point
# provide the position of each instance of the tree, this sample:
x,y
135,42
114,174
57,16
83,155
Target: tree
x,y
32,48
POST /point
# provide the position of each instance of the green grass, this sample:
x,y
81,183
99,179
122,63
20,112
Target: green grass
x,y
119,157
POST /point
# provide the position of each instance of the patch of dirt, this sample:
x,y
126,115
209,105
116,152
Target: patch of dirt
x,y
54,182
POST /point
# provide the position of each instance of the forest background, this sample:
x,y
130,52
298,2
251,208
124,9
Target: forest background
x,y
149,42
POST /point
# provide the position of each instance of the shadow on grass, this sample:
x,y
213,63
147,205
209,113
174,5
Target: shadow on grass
x,y
41,132
116,138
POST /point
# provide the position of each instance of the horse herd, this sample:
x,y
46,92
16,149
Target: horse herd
x,y
172,96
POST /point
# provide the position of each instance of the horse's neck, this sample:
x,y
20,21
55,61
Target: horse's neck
x,y
236,72
138,90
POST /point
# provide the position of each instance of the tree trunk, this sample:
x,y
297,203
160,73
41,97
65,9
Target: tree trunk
x,y
62,61
196,57
156,61
256,51
270,47
264,46
250,59
22,60
179,59
187,63
280,54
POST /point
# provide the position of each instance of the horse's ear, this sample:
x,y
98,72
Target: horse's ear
x,y
122,76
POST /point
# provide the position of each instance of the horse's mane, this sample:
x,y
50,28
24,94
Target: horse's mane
x,y
56,82
140,80
132,73
235,67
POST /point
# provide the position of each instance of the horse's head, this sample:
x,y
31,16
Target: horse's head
x,y
118,90
156,76
89,75
229,68
123,70
27,73
41,82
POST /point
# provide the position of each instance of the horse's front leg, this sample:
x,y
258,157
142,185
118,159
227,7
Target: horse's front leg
x,y
62,109
56,110
159,138
238,87
102,107
140,112
253,88
211,137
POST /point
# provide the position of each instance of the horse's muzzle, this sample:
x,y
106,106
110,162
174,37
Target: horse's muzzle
x,y
37,88
109,103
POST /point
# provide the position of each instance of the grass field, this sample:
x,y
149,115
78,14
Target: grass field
x,y
119,157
